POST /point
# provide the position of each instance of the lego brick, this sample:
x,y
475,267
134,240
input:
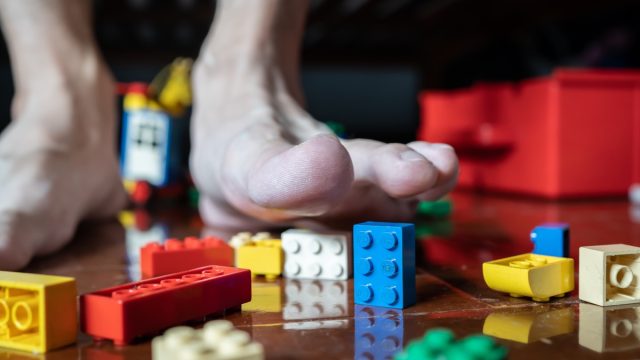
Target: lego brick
x,y
436,209
606,329
379,332
217,340
384,264
315,255
315,299
262,257
609,274
441,344
537,276
126,312
551,239
634,194
38,313
174,256
530,325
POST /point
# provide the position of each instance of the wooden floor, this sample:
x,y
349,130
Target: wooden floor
x,y
297,319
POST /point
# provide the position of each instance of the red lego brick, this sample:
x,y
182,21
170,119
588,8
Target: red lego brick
x,y
123,313
573,134
174,255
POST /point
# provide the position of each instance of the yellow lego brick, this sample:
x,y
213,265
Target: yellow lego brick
x,y
262,257
37,312
529,326
537,276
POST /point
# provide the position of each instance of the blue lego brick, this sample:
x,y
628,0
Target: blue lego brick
x,y
551,239
379,332
384,264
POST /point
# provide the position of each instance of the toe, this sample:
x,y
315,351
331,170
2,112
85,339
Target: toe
x,y
396,168
15,246
273,179
444,158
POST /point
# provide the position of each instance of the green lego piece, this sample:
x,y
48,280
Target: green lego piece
x,y
440,344
338,128
439,209
193,196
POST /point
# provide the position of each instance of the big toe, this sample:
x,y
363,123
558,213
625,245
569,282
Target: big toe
x,y
305,179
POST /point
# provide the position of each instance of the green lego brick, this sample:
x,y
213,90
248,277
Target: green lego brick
x,y
441,208
440,344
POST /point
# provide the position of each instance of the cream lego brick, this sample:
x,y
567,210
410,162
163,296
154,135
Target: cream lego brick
x,y
609,274
608,329
315,299
317,255
217,340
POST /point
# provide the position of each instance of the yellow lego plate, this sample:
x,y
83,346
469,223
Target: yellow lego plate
x,y
536,276
37,312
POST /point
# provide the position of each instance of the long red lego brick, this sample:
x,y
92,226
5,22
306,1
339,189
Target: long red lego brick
x,y
123,313
175,255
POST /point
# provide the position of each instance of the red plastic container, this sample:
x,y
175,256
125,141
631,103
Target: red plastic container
x,y
123,313
175,255
571,135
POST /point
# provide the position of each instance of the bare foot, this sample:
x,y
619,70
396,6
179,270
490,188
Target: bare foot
x,y
260,160
57,162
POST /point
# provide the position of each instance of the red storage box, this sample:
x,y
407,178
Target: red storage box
x,y
573,134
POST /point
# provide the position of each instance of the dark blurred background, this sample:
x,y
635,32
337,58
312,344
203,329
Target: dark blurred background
x,y
364,61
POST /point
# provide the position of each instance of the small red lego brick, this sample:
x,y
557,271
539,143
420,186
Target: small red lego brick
x,y
175,255
126,312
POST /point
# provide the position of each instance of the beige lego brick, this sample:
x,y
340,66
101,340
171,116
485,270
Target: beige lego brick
x,y
217,340
609,274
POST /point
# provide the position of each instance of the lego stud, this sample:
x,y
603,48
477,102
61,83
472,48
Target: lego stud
x,y
336,247
389,240
364,293
233,343
314,246
215,331
315,269
390,268
365,239
365,266
292,268
337,270
366,341
292,246
390,295
620,276
25,314
178,336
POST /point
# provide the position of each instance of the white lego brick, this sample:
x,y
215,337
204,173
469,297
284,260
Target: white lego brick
x,y
634,194
610,274
316,255
315,299
609,329
217,340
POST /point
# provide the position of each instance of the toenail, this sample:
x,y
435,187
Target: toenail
x,y
411,156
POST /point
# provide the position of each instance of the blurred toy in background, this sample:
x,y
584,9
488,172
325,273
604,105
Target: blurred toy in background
x,y
154,128
573,134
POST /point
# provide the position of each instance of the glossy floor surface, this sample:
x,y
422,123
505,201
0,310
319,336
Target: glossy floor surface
x,y
297,319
